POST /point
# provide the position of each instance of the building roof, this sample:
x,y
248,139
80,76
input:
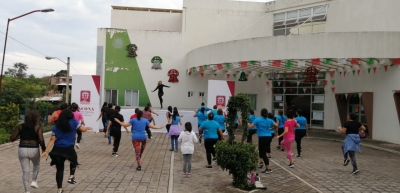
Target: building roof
x,y
146,9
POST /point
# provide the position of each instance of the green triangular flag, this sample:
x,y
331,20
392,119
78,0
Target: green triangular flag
x,y
266,75
284,75
228,65
370,61
234,75
194,69
327,61
259,76
354,72
215,74
333,82
288,64
355,95
252,62
369,70
340,73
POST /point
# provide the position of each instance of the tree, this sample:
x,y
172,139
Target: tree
x,y
18,70
61,73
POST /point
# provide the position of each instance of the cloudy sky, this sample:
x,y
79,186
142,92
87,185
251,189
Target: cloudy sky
x,y
69,31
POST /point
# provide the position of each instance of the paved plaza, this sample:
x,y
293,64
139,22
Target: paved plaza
x,y
319,170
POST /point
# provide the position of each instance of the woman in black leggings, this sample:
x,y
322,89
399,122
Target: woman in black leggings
x,y
211,131
63,139
160,88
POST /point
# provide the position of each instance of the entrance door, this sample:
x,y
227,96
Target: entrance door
x,y
302,102
131,98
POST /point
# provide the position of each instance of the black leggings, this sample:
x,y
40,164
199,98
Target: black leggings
x,y
148,131
280,131
352,157
167,126
250,136
117,139
79,136
299,134
264,147
104,123
60,173
160,98
209,145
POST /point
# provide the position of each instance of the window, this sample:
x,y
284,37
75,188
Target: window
x,y
201,94
112,96
312,20
253,101
131,98
190,94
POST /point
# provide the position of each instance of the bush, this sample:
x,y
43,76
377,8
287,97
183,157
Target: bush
x,y
9,117
237,158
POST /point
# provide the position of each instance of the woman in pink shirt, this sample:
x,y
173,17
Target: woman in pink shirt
x,y
289,137
79,117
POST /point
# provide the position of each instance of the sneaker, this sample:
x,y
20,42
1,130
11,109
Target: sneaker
x,y
176,150
115,155
77,146
184,175
214,159
291,165
34,184
346,162
208,167
298,156
267,171
356,171
301,149
171,150
189,175
60,191
260,165
139,168
282,149
150,137
71,180
278,147
109,143
269,157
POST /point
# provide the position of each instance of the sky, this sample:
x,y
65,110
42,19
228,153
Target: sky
x,y
70,31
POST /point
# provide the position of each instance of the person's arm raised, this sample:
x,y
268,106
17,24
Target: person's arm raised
x,y
156,127
123,124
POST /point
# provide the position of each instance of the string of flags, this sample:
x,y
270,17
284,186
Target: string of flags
x,y
348,95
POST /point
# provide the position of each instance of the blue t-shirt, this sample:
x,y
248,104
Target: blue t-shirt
x,y
251,120
205,108
139,128
302,121
281,120
215,112
236,119
220,119
210,129
176,121
65,139
201,117
263,126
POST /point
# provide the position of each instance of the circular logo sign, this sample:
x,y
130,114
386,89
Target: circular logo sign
x,y
118,43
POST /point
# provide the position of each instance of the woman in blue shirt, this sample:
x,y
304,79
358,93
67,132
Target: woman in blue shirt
x,y
264,125
201,117
138,129
280,120
253,130
211,130
174,130
215,110
63,139
220,119
301,131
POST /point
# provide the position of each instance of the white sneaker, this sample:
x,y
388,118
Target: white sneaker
x,y
34,184
77,146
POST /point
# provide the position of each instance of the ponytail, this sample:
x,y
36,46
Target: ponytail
x,y
202,110
174,115
139,115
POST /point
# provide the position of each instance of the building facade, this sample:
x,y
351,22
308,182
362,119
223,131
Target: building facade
x,y
353,44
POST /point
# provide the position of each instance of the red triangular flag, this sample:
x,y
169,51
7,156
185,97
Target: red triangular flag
x,y
227,75
336,96
284,83
219,66
243,65
202,74
267,83
333,89
350,96
396,61
290,75
325,82
332,74
386,67
247,75
358,72
276,63
374,68
344,73
355,61
201,68
315,61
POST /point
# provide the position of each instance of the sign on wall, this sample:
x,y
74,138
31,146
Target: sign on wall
x,y
86,93
219,92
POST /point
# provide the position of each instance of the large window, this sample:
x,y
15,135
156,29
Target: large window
x,y
131,98
253,101
112,96
310,20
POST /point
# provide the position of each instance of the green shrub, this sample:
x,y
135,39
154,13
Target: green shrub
x,y
4,138
9,118
237,157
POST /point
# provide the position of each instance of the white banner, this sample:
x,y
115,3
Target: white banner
x,y
219,92
86,93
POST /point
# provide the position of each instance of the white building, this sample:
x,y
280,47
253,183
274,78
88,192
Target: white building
x,y
353,43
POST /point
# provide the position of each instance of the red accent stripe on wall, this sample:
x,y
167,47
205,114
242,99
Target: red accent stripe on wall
x,y
231,85
96,80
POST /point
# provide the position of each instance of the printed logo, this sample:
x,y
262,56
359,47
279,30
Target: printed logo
x,y
220,101
85,97
118,43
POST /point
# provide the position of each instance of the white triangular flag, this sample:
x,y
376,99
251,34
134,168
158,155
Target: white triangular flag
x,y
345,95
235,65
253,75
342,60
284,90
264,63
360,94
298,83
278,76
301,63
304,90
318,82
382,61
279,83
296,75
197,69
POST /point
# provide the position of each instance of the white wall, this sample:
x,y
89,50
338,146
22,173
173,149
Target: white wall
x,y
146,20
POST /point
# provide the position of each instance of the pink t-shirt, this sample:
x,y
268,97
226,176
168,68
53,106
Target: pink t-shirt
x,y
78,116
290,124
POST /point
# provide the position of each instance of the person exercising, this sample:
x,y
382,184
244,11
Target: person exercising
x,y
160,91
